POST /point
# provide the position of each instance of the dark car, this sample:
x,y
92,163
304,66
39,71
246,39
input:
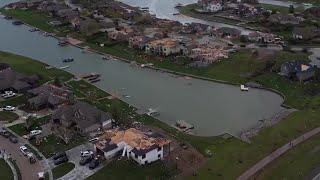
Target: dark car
x,y
13,139
94,163
85,160
6,134
58,155
61,160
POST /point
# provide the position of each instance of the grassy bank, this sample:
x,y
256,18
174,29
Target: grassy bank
x,y
6,173
62,169
231,156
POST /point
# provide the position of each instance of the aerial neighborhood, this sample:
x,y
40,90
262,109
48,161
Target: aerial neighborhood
x,y
110,89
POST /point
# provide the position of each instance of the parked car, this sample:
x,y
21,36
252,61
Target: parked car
x,y
94,140
86,153
85,160
35,132
8,94
61,160
24,150
94,163
13,139
9,108
31,157
59,155
6,134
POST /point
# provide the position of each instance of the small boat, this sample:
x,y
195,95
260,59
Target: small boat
x,y
8,17
17,23
146,65
152,112
94,81
68,60
176,14
63,43
183,125
179,5
127,96
105,58
33,29
244,88
64,67
87,76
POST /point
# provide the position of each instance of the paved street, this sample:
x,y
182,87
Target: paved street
x,y
277,153
28,171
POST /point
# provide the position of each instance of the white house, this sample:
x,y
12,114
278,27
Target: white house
x,y
132,143
210,5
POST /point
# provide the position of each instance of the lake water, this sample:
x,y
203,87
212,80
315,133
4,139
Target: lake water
x,y
213,108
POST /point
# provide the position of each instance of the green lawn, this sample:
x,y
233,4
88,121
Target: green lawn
x,y
30,66
8,116
52,144
15,101
6,173
301,161
62,169
231,156
19,129
37,19
128,170
280,9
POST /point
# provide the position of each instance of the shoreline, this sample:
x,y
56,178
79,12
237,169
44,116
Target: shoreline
x,y
163,70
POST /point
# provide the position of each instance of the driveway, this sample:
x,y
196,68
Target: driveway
x,y
79,172
28,171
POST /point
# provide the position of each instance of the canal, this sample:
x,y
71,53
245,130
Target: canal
x,y
213,108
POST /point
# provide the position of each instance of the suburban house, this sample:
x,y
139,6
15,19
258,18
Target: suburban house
x,y
228,32
208,55
138,42
79,118
121,35
280,18
12,80
298,70
305,33
165,47
132,143
86,26
210,5
49,96
261,37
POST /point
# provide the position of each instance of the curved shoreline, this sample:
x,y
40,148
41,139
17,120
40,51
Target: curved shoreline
x,y
170,72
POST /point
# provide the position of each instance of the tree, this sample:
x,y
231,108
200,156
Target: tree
x,y
291,9
30,121
57,82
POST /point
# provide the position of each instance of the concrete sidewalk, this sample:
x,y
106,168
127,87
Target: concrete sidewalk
x,y
277,153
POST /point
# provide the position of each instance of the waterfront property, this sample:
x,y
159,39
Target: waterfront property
x,y
79,118
12,80
132,143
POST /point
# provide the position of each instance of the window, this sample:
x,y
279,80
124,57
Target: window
x,y
159,149
143,156
136,156
159,156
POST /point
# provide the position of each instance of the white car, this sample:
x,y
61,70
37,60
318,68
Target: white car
x,y
86,153
24,150
35,132
8,94
9,108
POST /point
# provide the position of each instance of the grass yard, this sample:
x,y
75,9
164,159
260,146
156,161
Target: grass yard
x,y
8,116
30,66
19,129
52,144
129,170
296,164
14,101
6,173
36,19
280,9
62,169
